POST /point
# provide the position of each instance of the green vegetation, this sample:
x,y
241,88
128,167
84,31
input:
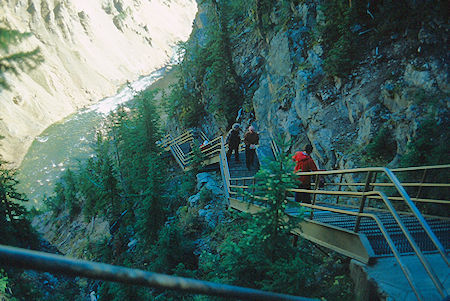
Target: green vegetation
x,y
257,250
15,61
153,227
382,149
207,81
125,182
430,144
15,230
339,41
350,31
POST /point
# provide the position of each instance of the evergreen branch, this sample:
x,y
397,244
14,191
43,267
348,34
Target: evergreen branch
x,y
15,62
11,37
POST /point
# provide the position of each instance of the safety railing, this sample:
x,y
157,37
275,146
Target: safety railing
x,y
367,193
224,169
45,262
275,149
208,151
370,192
414,188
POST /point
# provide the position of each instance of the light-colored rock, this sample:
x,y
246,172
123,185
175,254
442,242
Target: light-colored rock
x,y
278,59
90,49
71,237
213,212
418,78
206,181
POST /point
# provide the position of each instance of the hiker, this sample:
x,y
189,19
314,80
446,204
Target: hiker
x,y
251,139
204,144
304,162
233,140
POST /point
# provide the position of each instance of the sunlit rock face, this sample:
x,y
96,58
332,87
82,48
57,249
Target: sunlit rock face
x,y
91,47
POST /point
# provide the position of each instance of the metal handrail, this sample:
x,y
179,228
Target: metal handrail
x,y
178,138
47,262
405,231
394,182
275,149
225,169
402,193
385,199
391,209
386,236
415,168
392,185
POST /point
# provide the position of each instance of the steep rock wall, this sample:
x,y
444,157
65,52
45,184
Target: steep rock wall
x,y
395,86
90,49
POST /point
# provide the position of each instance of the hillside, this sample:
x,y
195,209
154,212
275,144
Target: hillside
x,y
90,49
365,82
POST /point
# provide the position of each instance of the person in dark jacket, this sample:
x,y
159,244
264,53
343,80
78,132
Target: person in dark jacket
x,y
233,139
304,162
251,139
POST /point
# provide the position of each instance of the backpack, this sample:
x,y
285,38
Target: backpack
x,y
233,138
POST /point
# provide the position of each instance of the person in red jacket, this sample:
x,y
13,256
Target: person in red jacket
x,y
304,162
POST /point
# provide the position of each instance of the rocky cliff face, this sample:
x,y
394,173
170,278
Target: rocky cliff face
x,y
394,87
90,49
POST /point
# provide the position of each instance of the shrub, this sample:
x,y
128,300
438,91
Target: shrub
x,y
382,149
430,145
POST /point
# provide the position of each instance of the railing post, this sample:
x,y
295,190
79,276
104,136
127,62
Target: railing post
x,y
373,181
363,200
340,187
224,170
316,187
421,182
253,185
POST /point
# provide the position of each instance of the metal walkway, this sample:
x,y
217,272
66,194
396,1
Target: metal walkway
x,y
363,213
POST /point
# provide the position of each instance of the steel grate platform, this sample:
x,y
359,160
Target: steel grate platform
x,y
368,226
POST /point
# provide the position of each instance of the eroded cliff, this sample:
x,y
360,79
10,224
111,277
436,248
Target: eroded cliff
x,y
90,49
360,89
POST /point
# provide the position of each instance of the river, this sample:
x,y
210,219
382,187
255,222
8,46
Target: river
x,y
69,142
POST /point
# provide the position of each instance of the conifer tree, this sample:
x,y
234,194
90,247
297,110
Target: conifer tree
x,y
271,191
13,62
15,229
150,214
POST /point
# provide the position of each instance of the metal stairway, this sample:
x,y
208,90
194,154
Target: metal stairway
x,y
359,219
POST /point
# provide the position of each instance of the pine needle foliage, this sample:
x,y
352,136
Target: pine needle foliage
x,y
353,28
272,184
13,62
207,81
15,229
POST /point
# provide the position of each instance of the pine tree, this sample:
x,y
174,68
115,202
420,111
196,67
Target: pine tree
x,y
272,183
15,229
13,62
150,214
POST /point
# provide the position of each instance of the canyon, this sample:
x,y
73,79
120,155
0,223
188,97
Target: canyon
x,y
90,49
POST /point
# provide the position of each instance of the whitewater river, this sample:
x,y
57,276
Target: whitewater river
x,y
68,142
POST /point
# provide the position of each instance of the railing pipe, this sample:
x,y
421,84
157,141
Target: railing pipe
x,y
419,190
417,214
363,201
224,167
340,187
413,244
316,187
401,191
17,257
388,238
177,158
420,168
408,184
